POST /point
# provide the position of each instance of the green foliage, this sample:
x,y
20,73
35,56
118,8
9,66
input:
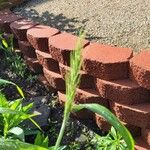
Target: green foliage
x,y
14,61
13,113
111,118
41,140
112,141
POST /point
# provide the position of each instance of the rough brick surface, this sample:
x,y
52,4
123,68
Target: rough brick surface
x,y
38,36
33,65
27,49
89,96
45,59
20,28
105,126
55,80
122,91
61,45
106,62
141,145
83,114
86,81
138,115
140,68
83,97
6,20
146,135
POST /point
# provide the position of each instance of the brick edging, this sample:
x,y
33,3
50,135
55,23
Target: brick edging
x,y
110,75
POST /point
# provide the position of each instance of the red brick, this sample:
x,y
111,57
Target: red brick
x,y
140,68
122,91
33,65
138,115
83,97
141,145
102,123
20,28
89,96
46,84
55,80
146,135
105,126
6,20
27,49
45,59
38,36
82,114
86,81
61,45
106,62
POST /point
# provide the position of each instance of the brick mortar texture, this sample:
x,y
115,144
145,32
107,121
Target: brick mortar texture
x,y
119,77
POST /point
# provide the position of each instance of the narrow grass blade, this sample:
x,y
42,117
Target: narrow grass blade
x,y
2,81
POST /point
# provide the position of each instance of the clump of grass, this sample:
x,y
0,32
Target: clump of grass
x,y
12,59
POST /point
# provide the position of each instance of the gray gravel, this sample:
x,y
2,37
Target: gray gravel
x,y
123,23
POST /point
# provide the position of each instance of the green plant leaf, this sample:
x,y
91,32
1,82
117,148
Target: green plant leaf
x,y
27,108
41,140
10,144
35,123
20,91
2,81
4,42
113,133
111,118
18,132
15,104
9,111
3,100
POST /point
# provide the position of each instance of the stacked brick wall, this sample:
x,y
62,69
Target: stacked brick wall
x,y
110,76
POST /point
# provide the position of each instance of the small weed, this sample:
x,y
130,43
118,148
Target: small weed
x,y
12,60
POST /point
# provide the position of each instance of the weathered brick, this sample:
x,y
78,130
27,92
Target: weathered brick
x,y
122,91
45,59
86,80
6,20
27,49
20,28
83,97
106,62
138,115
55,80
105,126
141,145
38,36
140,68
146,135
82,114
33,65
61,45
